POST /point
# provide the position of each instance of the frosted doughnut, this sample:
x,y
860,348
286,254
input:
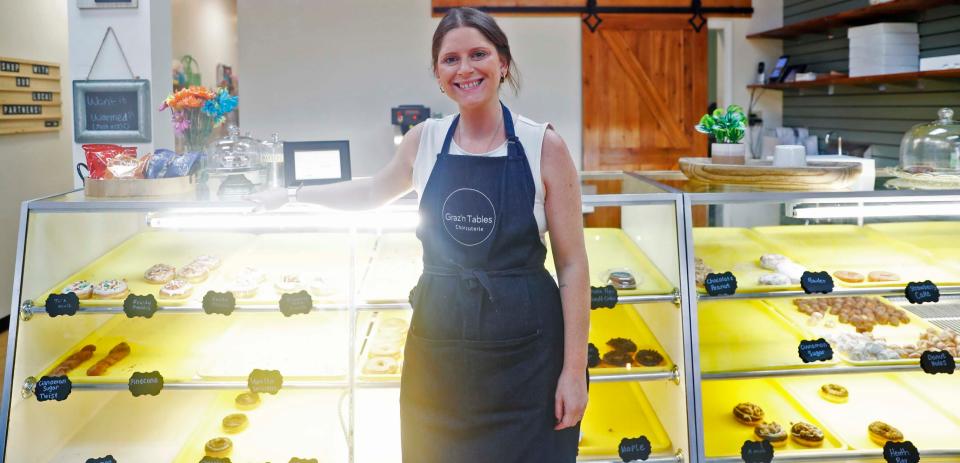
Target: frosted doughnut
x,y
380,365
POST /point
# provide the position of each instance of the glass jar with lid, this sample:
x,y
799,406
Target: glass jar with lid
x,y
932,148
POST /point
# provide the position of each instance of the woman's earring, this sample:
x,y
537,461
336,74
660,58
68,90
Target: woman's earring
x,y
502,76
441,89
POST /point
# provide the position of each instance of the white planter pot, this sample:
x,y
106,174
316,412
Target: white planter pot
x,y
729,153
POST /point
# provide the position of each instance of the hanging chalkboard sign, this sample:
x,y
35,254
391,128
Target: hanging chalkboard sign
x,y
140,306
62,304
633,449
901,452
816,282
145,383
53,388
106,459
605,296
299,302
937,361
815,351
220,303
111,111
756,452
720,284
265,381
920,292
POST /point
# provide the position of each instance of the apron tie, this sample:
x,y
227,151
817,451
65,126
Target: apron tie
x,y
472,276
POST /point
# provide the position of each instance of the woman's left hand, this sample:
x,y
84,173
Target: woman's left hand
x,y
571,399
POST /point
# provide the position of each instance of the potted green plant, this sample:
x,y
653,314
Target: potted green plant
x,y
727,129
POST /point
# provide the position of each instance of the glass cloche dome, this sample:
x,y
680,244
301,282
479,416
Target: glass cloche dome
x,y
932,148
235,153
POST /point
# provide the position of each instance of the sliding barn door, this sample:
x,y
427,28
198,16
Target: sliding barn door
x,y
644,88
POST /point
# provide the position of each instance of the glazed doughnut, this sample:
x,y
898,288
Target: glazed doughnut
x,y
834,393
806,434
208,260
159,274
748,413
770,261
320,288
243,288
234,423
384,349
849,276
380,365
111,289
648,357
288,283
774,279
218,447
247,401
82,288
881,432
880,275
771,432
176,289
193,272
618,359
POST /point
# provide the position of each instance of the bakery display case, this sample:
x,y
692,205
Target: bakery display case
x,y
826,324
188,330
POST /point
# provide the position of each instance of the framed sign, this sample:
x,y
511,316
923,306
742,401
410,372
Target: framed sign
x,y
111,111
106,4
316,162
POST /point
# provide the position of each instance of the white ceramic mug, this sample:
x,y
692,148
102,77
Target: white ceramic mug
x,y
789,156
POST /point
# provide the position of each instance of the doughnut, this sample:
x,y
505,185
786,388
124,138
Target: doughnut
x,y
384,349
252,274
648,357
748,413
159,274
806,434
771,432
208,260
848,276
111,289
622,345
792,270
82,288
234,423
193,272
834,393
320,288
880,275
593,356
380,365
218,447
247,401
618,359
243,288
288,283
881,432
394,323
770,261
176,289
774,279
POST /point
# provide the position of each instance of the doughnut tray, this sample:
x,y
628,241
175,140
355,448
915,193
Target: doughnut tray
x,y
876,397
859,249
937,239
132,257
903,334
724,435
372,331
611,248
737,250
941,390
302,424
619,410
623,321
744,335
394,269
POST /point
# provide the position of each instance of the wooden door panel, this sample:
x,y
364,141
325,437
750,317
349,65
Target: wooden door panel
x,y
644,88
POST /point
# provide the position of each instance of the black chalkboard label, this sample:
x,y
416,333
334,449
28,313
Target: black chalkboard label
x,y
720,284
605,296
62,304
42,96
53,388
41,69
215,460
937,361
9,66
265,381
303,460
632,449
920,292
901,452
816,282
299,302
112,110
106,459
23,81
221,303
145,383
756,452
815,351
140,306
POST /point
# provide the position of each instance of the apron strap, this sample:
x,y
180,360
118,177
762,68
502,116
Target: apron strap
x,y
445,150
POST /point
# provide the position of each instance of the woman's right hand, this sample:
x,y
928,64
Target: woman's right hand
x,y
268,200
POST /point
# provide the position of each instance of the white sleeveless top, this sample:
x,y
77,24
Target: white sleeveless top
x,y
529,132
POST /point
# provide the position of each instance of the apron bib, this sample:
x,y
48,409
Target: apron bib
x,y
485,347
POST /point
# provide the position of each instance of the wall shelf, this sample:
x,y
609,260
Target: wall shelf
x,y
891,11
864,80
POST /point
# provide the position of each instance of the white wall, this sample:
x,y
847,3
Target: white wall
x,y
36,164
746,53
144,33
206,30
333,69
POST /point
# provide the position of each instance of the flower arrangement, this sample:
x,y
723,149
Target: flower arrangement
x,y
196,111
726,127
